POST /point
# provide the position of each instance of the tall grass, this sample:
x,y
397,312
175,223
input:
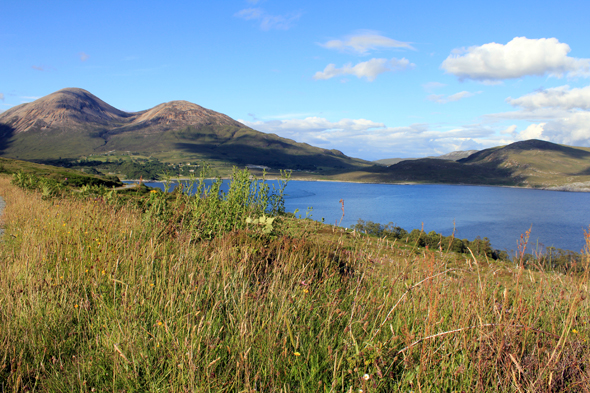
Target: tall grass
x,y
94,297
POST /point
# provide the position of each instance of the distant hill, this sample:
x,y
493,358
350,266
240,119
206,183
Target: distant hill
x,y
72,123
531,163
452,156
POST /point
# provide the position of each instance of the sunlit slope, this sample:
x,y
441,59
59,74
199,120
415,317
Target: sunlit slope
x,y
63,175
538,163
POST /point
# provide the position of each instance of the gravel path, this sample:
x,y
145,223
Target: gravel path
x,y
2,204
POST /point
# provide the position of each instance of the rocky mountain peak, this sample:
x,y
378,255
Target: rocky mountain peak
x,y
62,109
183,112
72,108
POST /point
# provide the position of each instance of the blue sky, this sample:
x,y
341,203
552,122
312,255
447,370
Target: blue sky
x,y
374,79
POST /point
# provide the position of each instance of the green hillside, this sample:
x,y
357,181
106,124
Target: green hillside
x,y
532,163
171,292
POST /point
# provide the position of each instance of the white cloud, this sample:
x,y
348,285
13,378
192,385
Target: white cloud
x,y
83,56
312,124
372,140
2,96
571,130
431,86
441,99
249,13
520,57
558,97
367,69
534,131
509,131
560,114
267,21
364,42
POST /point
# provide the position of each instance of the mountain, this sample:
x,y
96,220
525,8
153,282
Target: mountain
x,y
73,123
532,163
452,156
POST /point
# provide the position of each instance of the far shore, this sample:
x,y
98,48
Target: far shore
x,y
565,188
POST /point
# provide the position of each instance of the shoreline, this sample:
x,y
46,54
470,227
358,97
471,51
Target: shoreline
x,y
574,187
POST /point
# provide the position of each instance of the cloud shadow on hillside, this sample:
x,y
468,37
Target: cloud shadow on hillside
x,y
243,154
443,171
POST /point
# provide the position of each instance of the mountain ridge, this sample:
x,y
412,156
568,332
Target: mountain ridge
x,y
73,105
532,163
73,123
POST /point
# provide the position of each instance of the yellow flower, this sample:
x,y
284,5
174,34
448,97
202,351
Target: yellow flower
x,y
75,306
305,291
297,354
103,272
574,331
159,323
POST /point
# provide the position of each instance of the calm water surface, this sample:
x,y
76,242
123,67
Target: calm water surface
x,y
501,214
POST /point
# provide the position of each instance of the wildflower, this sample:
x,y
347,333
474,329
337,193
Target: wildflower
x,y
297,354
75,306
305,291
103,272
151,285
574,331
159,323
366,377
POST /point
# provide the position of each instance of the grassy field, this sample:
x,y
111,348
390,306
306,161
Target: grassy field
x,y
178,294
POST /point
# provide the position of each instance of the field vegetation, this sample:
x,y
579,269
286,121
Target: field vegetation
x,y
150,291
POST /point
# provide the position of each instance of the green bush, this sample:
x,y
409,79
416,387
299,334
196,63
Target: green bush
x,y
431,240
207,211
